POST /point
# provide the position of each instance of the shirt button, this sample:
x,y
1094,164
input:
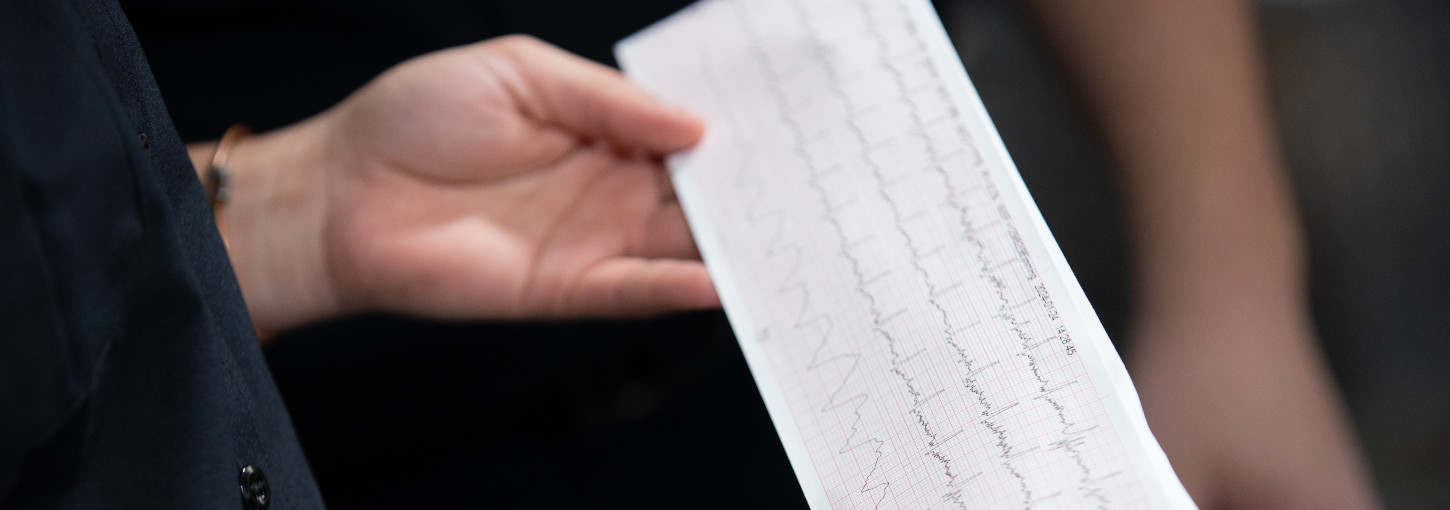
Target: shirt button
x,y
255,494
146,143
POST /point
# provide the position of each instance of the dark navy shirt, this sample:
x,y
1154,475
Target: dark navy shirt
x,y
130,376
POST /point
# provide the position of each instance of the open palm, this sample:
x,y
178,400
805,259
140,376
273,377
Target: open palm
x,y
506,179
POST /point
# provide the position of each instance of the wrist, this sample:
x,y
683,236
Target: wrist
x,y
273,222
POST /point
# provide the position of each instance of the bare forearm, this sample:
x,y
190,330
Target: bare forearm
x,y
1175,88
1225,355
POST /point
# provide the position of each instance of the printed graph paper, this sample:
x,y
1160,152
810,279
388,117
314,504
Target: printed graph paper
x,y
917,336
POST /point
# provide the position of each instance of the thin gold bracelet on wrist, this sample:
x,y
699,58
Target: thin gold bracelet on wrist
x,y
219,176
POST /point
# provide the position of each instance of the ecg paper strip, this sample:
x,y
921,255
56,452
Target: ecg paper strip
x,y
912,326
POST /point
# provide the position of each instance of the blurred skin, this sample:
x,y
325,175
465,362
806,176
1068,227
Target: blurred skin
x,y
508,180
501,180
1224,358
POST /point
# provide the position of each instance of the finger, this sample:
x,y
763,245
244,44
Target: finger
x,y
667,235
633,287
594,101
666,186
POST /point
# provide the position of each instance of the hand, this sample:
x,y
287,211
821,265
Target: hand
x,y
1246,411
506,179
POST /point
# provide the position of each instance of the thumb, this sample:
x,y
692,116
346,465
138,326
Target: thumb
x,y
593,101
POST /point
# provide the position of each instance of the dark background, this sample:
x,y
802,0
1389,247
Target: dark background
x,y
662,413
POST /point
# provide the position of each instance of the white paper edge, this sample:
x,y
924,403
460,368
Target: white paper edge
x,y
733,301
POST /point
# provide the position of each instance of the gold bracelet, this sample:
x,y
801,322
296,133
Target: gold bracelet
x,y
219,176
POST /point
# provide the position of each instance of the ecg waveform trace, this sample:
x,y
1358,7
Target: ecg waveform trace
x,y
900,326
